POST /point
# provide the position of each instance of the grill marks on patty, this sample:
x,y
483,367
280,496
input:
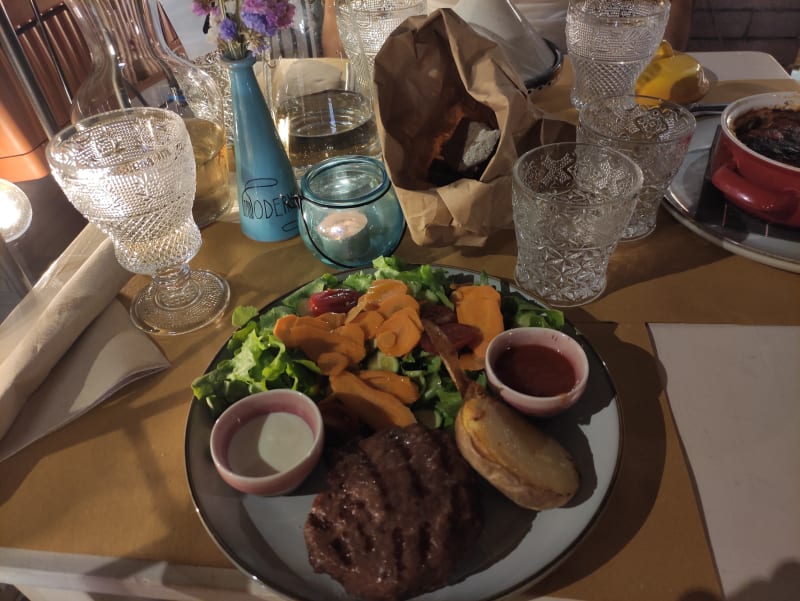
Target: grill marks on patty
x,y
400,512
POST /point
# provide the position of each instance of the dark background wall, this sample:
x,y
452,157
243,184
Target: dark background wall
x,y
771,26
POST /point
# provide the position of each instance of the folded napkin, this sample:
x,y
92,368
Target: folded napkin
x,y
733,391
69,346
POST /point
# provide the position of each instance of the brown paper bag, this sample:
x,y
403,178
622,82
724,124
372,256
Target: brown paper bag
x,y
430,70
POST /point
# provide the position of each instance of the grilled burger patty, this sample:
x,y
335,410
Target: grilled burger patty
x,y
399,514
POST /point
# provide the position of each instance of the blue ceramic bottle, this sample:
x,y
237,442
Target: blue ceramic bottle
x,y
266,183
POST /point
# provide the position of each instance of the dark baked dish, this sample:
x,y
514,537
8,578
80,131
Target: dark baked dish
x,y
773,133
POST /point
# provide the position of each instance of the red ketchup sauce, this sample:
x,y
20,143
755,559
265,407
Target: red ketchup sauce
x,y
535,370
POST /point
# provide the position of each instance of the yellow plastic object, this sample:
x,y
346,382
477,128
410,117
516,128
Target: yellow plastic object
x,y
664,50
675,77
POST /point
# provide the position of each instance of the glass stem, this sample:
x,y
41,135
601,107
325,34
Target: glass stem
x,y
175,288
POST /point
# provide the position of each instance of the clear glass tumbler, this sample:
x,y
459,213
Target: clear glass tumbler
x,y
610,42
653,132
571,202
131,172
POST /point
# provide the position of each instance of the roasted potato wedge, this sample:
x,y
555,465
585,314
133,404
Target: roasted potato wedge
x,y
516,457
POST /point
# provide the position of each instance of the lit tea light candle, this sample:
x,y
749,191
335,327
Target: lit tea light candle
x,y
344,236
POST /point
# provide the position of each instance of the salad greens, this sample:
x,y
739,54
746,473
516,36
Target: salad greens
x,y
255,360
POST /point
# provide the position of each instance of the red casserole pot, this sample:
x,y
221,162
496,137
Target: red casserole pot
x,y
761,186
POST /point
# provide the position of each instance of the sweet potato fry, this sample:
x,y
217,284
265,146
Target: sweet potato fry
x,y
479,306
331,363
283,328
374,407
353,332
400,333
380,290
399,386
369,322
394,303
332,320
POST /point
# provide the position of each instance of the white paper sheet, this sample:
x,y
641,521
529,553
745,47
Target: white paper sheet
x,y
735,395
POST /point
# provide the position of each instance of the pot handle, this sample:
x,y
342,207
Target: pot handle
x,y
774,204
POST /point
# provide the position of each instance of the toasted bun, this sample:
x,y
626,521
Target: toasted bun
x,y
505,447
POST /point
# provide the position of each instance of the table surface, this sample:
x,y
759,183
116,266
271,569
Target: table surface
x,y
104,500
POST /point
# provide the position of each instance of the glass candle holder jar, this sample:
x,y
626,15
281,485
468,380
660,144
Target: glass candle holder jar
x,y
349,213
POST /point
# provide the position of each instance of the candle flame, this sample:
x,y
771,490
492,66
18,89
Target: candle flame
x,y
340,226
15,211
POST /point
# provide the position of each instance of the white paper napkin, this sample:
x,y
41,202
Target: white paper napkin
x,y
109,354
735,395
68,345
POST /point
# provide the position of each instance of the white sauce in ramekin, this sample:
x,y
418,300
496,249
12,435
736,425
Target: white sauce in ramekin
x,y
269,444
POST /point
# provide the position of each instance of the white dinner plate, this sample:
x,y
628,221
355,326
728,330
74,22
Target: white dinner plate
x,y
697,204
263,536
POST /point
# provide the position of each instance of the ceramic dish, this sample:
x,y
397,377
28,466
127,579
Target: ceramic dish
x,y
263,536
271,460
697,204
549,77
762,186
561,346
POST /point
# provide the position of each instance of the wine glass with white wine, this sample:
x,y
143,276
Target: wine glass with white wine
x,y
131,172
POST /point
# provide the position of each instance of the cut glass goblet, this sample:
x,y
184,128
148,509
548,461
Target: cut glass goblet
x,y
131,172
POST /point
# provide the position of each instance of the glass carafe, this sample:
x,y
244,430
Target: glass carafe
x,y
320,107
132,65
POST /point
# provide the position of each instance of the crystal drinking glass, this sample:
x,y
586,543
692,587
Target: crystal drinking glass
x,y
131,172
571,203
610,42
653,132
364,26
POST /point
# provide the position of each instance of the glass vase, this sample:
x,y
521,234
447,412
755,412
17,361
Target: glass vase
x,y
212,64
267,188
132,65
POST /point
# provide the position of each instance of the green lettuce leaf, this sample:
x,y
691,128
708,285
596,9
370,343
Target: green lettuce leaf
x,y
243,314
254,359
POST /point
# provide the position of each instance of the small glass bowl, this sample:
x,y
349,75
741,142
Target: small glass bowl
x,y
567,347
252,407
349,213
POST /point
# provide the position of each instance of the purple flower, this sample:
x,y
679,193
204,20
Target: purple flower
x,y
248,26
255,6
228,31
285,13
260,23
267,16
200,8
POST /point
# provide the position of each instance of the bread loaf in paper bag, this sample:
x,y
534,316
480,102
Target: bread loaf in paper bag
x,y
453,116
